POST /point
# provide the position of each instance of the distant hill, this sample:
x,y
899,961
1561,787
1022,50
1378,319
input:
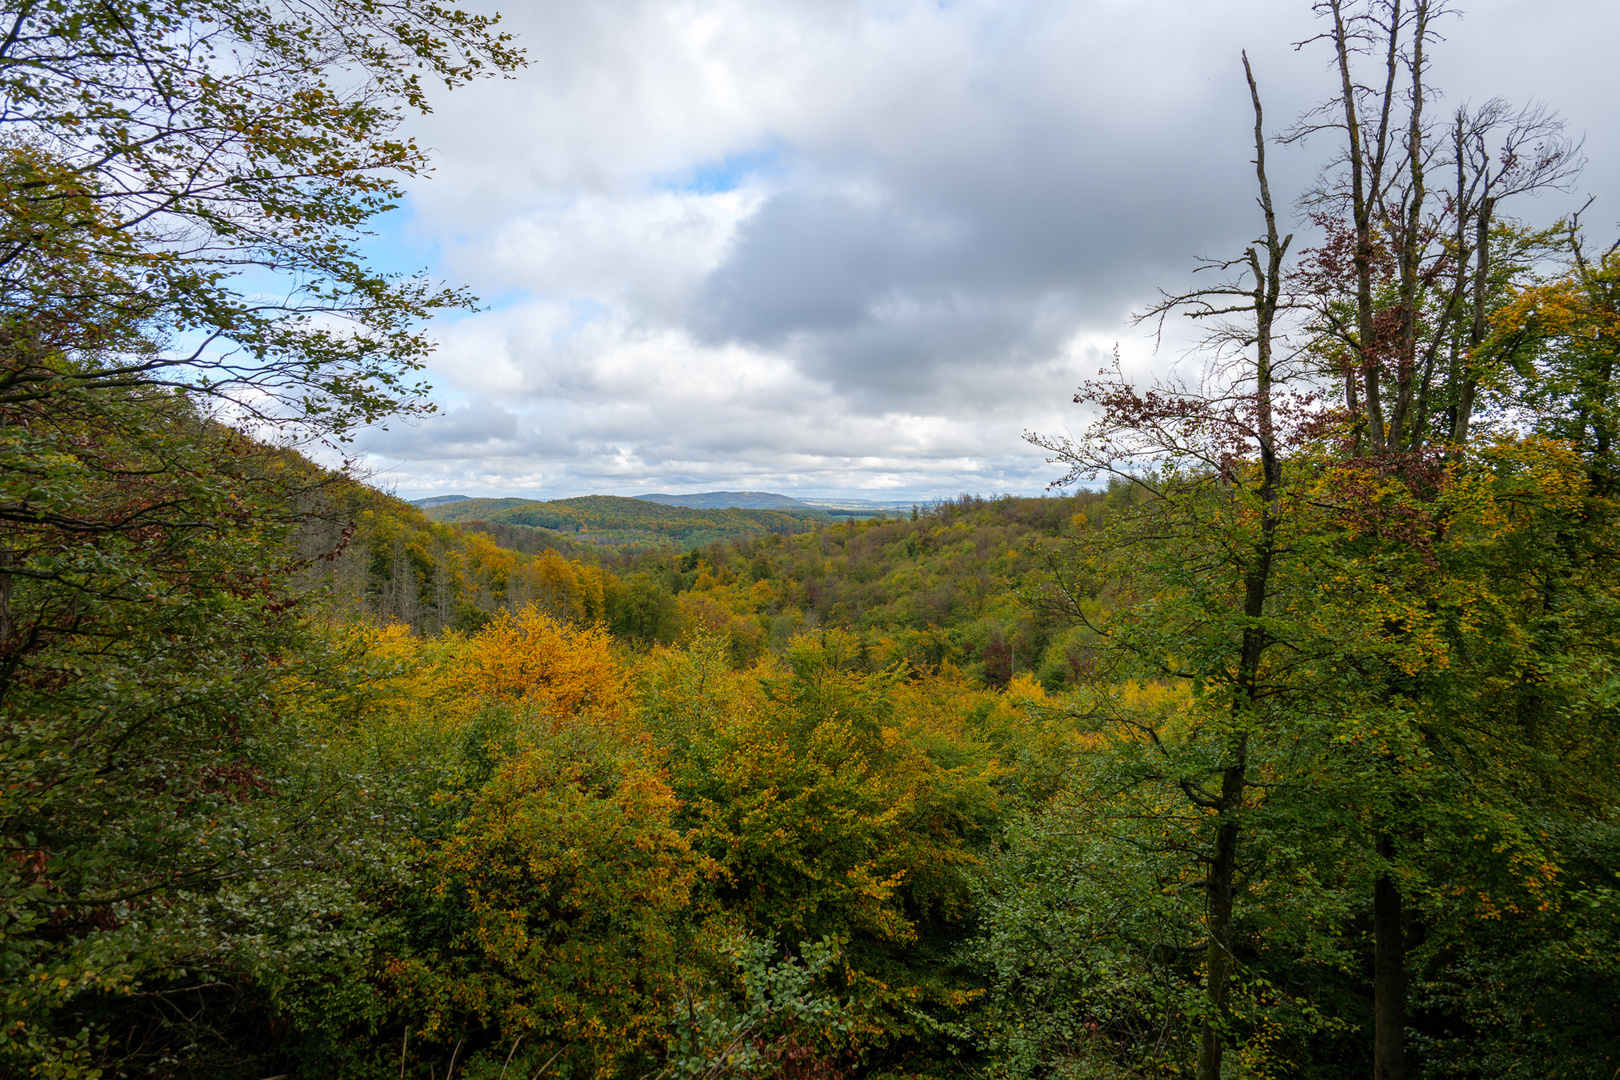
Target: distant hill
x,y
724,500
863,508
630,524
438,500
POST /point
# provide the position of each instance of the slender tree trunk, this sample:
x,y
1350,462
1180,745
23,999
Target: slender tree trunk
x,y
5,596
1478,325
403,586
1222,876
1405,425
1389,973
443,599
1366,157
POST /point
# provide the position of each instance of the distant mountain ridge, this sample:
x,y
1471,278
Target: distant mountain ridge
x,y
711,500
730,500
875,507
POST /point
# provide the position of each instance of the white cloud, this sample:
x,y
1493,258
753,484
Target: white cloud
x,y
823,246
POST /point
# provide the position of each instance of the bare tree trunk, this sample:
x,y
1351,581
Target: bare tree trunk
x,y
1404,423
6,558
1229,805
443,598
1468,384
1366,185
406,600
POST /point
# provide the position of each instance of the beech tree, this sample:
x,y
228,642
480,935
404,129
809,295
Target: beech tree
x,y
182,192
1420,276
1293,555
1217,455
154,152
1410,266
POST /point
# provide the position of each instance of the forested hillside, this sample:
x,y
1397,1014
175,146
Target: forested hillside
x,y
628,523
964,586
1291,752
967,585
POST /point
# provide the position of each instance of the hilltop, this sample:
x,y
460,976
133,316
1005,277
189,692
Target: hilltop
x,y
730,500
628,524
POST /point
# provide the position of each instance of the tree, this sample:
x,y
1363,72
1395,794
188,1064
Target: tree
x,y
1558,340
1217,457
1296,562
163,169
569,884
156,152
836,805
1379,208
1401,286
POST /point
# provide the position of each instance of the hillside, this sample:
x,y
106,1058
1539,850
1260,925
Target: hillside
x,y
957,587
628,524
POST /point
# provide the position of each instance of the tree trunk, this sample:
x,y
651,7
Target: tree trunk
x,y
1389,973
1218,953
5,597
1366,186
1257,583
1405,430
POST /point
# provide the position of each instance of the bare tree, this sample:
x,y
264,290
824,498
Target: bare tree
x,y
1228,418
1403,280
1393,306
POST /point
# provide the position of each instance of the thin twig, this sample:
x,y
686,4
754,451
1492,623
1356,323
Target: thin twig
x,y
542,1070
508,1060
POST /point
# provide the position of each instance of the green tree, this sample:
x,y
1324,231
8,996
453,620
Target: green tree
x,y
155,152
836,805
1209,541
562,895
1312,580
160,843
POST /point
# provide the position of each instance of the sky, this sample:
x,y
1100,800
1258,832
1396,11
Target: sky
x,y
858,249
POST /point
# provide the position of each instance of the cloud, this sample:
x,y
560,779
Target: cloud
x,y
818,245
618,408
648,251
475,430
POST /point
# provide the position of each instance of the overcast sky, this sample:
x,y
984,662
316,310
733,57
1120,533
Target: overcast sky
x,y
828,247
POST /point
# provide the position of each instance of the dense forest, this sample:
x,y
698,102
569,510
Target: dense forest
x,y
1285,748
964,585
628,523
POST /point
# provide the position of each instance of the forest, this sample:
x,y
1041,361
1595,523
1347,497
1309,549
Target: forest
x,y
1278,740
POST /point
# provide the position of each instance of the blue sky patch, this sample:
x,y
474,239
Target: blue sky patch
x,y
723,174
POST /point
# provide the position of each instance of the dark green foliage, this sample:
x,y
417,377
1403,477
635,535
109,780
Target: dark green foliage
x,y
165,827
643,610
628,524
161,845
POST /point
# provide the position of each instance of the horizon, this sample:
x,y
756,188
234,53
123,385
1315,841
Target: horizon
x,y
920,500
